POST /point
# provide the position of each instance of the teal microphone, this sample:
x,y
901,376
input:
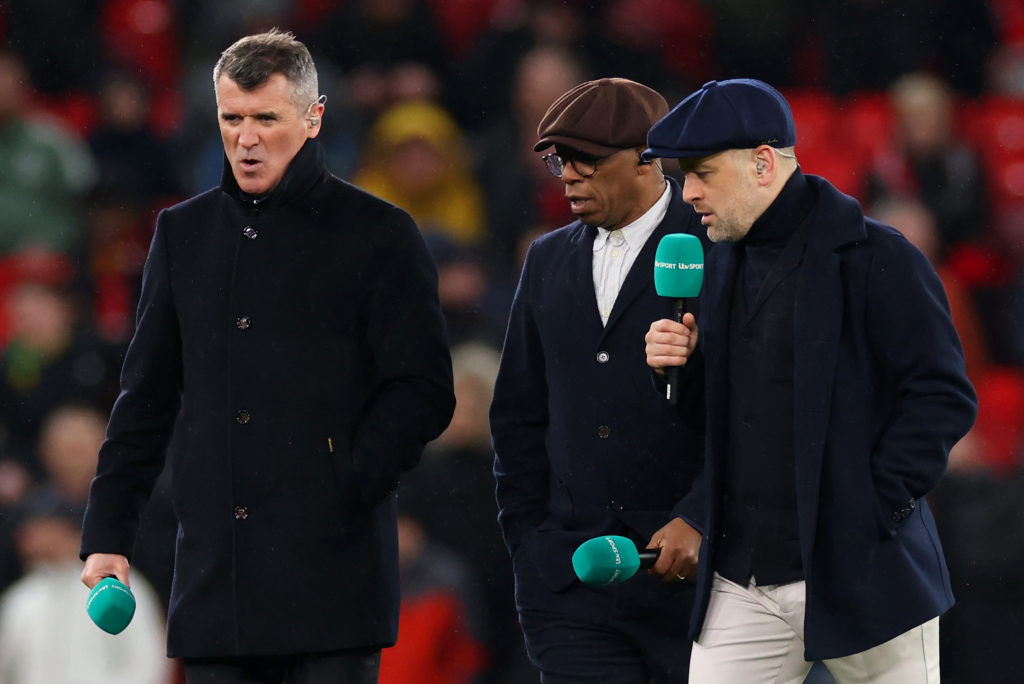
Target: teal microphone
x,y
678,273
111,605
610,559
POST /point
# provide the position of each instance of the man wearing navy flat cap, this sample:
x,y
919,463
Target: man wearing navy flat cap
x,y
584,446
835,387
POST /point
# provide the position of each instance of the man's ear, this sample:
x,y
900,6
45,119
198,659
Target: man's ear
x,y
766,164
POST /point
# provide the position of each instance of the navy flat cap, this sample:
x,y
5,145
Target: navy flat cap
x,y
737,114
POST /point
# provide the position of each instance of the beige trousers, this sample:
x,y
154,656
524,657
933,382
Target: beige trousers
x,y
755,635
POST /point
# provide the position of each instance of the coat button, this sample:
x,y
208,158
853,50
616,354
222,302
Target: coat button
x,y
615,505
750,502
241,512
242,323
603,357
604,431
242,417
250,232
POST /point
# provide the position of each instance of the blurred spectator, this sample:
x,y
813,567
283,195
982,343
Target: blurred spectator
x,y
58,40
981,522
437,643
1006,71
677,32
140,37
868,44
53,356
119,231
577,26
451,494
46,635
133,164
762,45
917,224
520,192
993,269
386,48
416,158
44,173
474,309
380,34
926,161
14,484
1009,229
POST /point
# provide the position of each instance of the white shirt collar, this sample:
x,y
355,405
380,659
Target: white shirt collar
x,y
637,232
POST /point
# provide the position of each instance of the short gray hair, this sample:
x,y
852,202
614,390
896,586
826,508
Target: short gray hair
x,y
252,60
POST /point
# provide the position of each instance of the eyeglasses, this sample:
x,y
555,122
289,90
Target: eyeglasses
x,y
583,165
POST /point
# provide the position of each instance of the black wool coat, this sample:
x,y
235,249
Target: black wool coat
x,y
584,445
294,347
880,397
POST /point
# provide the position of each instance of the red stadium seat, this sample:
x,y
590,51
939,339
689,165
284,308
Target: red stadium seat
x,y
817,120
996,126
1006,180
868,121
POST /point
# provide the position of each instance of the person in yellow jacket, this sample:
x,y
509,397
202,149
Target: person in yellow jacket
x,y
416,158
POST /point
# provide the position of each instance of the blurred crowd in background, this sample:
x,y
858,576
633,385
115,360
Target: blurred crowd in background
x,y
107,114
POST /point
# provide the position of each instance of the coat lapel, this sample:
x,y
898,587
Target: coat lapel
x,y
581,275
720,274
837,221
641,273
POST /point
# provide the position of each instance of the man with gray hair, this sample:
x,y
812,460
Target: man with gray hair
x,y
290,350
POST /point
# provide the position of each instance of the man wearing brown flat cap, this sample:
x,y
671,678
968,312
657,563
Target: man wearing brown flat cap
x,y
584,445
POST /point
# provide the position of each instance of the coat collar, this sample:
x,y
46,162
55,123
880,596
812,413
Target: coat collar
x,y
306,170
641,274
837,222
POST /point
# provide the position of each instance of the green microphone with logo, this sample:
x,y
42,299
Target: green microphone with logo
x,y
610,559
679,274
111,605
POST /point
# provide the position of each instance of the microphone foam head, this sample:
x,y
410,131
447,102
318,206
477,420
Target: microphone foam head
x,y
679,266
111,605
606,560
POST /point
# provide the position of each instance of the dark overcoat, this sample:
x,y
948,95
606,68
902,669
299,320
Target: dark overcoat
x,y
584,445
301,337
880,398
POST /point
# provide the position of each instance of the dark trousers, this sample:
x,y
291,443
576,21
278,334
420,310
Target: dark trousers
x,y
629,633
336,667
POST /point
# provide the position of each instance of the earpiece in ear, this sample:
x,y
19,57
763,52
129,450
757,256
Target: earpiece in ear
x,y
314,120
760,167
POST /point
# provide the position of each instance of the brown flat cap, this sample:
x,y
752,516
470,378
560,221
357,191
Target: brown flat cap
x,y
601,117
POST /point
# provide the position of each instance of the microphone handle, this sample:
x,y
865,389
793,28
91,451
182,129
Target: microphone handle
x,y
672,386
648,557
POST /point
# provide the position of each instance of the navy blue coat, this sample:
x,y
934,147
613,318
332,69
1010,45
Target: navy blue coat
x,y
583,442
302,340
880,398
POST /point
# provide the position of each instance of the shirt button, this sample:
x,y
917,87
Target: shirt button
x,y
250,232
604,431
242,417
241,512
242,323
603,357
